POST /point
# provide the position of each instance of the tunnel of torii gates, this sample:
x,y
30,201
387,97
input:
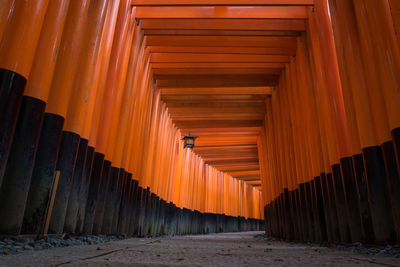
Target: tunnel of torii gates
x,y
296,105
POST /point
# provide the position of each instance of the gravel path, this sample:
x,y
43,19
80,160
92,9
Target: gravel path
x,y
229,249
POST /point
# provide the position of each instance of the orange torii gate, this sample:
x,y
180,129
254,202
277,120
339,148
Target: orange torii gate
x,y
295,104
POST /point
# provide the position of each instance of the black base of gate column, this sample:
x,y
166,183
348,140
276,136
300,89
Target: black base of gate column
x,y
341,205
320,214
327,212
312,208
118,208
294,213
43,175
289,222
65,165
393,181
109,202
101,197
94,184
332,208
362,193
350,186
133,206
138,210
301,223
73,200
84,190
378,195
127,208
305,207
12,87
18,172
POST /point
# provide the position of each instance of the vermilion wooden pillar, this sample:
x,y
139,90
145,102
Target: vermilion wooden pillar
x,y
327,198
374,162
60,94
36,93
383,35
17,49
88,195
335,120
94,216
79,111
312,136
19,39
352,75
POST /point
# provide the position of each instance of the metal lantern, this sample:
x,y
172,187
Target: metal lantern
x,y
189,140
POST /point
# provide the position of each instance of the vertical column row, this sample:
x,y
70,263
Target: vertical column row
x,y
87,146
341,99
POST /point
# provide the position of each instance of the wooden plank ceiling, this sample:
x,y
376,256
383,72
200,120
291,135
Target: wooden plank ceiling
x,y
215,62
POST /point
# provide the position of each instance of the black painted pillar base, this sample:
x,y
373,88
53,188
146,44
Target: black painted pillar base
x,y
17,177
125,200
164,223
330,218
12,87
94,184
393,181
169,215
133,208
378,195
118,208
101,197
267,220
151,215
43,175
158,222
300,216
275,212
65,165
294,214
156,225
396,144
138,211
341,205
146,211
353,210
312,207
84,190
289,228
363,202
319,214
305,209
142,212
281,217
109,203
73,200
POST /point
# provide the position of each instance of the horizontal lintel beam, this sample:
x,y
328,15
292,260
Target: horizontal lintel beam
x,y
222,41
221,2
266,90
223,50
218,65
196,57
222,12
190,32
225,24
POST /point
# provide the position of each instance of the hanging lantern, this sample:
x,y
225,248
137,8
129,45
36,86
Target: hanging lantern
x,y
189,140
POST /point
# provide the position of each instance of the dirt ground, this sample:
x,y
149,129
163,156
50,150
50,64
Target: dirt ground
x,y
228,249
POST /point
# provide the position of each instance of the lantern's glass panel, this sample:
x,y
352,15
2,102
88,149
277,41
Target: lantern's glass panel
x,y
190,141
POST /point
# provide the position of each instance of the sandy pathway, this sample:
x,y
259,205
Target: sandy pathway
x,y
231,249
